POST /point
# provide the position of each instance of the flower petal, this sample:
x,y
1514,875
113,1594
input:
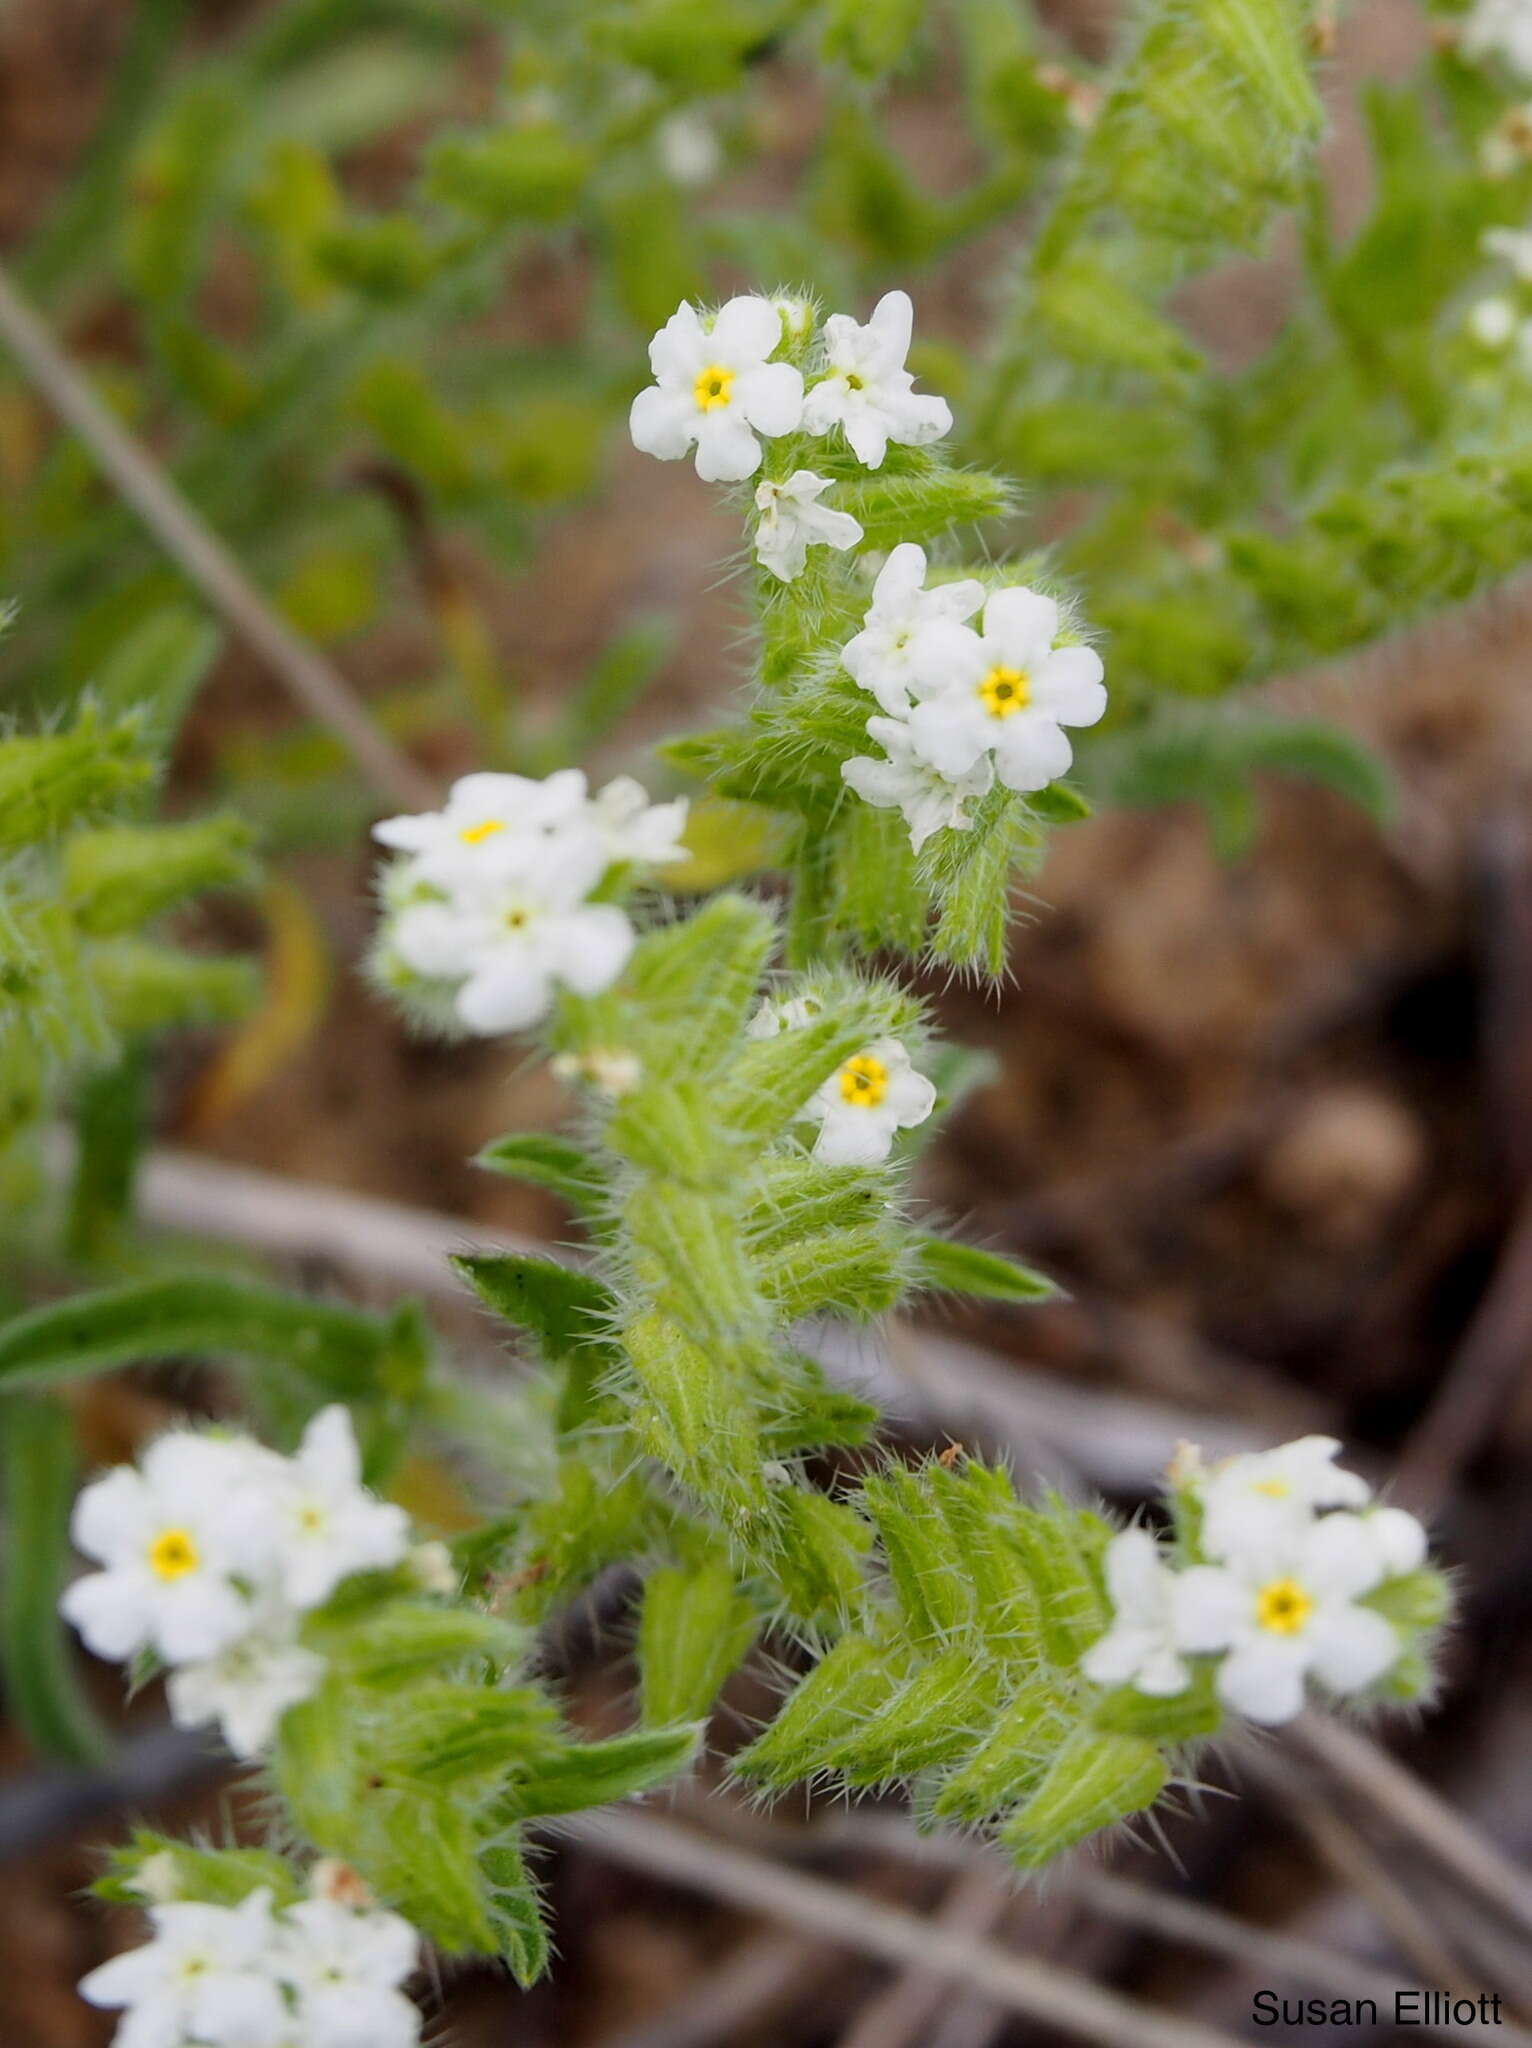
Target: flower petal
x,y
1068,686
745,331
662,423
1031,751
1263,1679
508,993
727,451
1349,1647
1021,623
770,398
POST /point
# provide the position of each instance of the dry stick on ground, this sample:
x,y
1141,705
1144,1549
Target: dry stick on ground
x,y
761,1980
204,560
902,2014
1400,1797
1306,1965
1022,1984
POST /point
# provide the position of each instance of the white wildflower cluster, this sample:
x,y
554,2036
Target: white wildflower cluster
x,y
866,1102
317,1974
1499,29
212,1550
721,387
492,898
963,705
1278,1580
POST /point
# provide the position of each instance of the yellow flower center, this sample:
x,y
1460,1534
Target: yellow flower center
x,y
475,835
1282,1607
1005,690
515,920
1274,1489
310,1520
712,387
173,1554
863,1081
854,382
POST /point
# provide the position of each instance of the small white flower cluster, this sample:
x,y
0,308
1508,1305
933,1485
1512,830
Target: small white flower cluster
x,y
319,1974
866,1102
717,389
492,898
964,705
1499,28
212,1550
1288,1546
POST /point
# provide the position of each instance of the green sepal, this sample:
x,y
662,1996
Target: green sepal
x,y
852,1680
586,1774
694,1628
213,1877
1183,1717
516,1911
118,877
409,1638
444,1734
1093,1781
1011,1760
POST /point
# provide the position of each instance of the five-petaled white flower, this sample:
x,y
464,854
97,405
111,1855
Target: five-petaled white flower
x,y
490,825
1492,322
895,646
1500,28
1139,1649
345,1968
715,388
1286,1606
1255,1498
792,519
903,782
203,1977
865,1102
248,1687
630,828
328,1525
1007,691
510,942
181,1541
865,388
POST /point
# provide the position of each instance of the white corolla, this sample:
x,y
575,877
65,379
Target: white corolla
x,y
715,389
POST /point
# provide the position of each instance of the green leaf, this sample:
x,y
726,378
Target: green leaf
x,y
694,1629
966,1269
517,1911
566,1311
549,1162
341,1350
409,1638
42,1688
597,1773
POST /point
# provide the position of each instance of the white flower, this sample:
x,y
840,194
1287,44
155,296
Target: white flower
x,y
1251,1500
510,943
345,1968
894,647
713,385
865,1101
1007,691
690,152
867,390
432,1568
1500,28
1398,1540
173,1538
1511,246
790,1014
493,825
204,1977
929,802
328,1524
1139,1649
1492,322
1284,1607
248,1687
792,519
631,828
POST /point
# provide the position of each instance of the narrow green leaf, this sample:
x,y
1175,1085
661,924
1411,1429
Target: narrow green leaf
x,y
967,1269
42,1687
566,1311
597,1773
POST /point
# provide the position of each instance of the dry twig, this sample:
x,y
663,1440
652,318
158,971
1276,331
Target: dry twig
x,y
203,559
